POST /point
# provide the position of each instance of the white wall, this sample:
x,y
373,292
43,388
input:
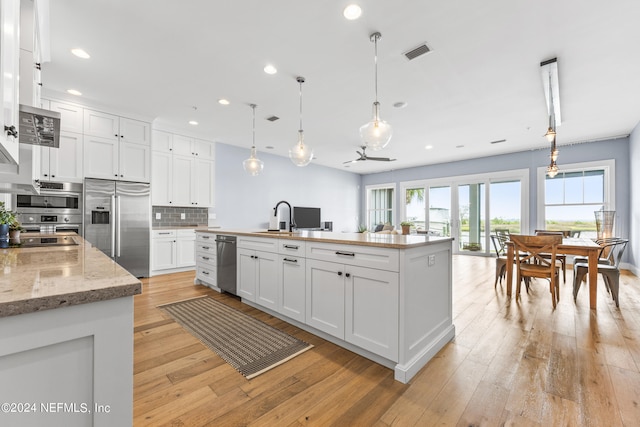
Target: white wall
x,y
244,201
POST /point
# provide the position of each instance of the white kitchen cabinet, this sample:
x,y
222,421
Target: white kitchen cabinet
x,y
206,260
325,297
371,310
180,175
116,147
258,278
293,290
9,83
185,247
109,158
63,164
172,250
71,116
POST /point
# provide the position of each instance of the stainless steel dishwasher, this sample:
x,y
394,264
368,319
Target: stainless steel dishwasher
x,y
226,266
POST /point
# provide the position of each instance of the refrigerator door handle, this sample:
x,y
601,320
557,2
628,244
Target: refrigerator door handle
x,y
113,226
118,226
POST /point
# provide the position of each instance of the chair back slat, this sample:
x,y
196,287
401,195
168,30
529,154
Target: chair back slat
x,y
535,246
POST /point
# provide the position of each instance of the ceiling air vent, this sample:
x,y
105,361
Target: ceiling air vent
x,y
418,51
273,118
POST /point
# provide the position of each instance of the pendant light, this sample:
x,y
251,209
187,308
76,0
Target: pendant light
x,y
552,169
377,133
301,154
253,165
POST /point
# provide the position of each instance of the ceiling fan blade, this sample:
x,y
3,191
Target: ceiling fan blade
x,y
381,159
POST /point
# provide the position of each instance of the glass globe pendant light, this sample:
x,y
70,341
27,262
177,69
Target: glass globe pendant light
x,y
377,133
552,169
253,165
300,154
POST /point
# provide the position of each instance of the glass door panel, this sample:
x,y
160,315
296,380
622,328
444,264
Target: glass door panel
x,y
471,208
415,207
440,211
504,207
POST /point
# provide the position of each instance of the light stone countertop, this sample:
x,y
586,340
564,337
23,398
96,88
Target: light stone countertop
x,y
394,241
43,278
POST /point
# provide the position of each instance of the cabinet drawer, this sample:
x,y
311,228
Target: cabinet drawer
x,y
291,247
186,233
363,256
158,234
206,260
206,238
206,248
267,244
206,274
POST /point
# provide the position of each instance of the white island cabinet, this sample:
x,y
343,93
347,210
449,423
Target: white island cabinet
x,y
385,297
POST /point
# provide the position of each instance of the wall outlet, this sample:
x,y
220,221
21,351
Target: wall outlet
x,y
183,215
212,216
432,260
158,215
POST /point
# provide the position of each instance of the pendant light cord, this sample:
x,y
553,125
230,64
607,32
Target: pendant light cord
x,y
300,81
253,106
376,36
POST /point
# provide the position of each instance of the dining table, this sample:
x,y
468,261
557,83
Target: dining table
x,y
570,246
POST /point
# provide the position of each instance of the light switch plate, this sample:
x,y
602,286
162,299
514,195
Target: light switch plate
x,y
158,215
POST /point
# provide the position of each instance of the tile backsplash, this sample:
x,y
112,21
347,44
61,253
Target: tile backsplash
x,y
171,217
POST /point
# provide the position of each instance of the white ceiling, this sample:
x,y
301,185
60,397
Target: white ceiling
x,y
480,83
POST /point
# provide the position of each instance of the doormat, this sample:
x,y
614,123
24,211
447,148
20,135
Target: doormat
x,y
249,345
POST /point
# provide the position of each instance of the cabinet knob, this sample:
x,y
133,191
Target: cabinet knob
x,y
116,135
53,176
121,176
348,274
116,175
339,273
46,174
121,136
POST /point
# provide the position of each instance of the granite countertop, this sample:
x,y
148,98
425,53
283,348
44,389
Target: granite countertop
x,y
394,241
43,278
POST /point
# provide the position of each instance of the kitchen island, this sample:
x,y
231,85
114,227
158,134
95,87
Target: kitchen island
x,y
387,297
66,328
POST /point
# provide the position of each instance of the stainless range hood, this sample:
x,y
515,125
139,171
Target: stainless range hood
x,y
39,127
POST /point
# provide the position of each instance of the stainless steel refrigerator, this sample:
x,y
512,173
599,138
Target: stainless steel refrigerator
x,y
117,220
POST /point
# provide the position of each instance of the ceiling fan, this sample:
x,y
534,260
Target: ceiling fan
x,y
363,156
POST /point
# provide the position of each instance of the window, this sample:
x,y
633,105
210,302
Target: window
x,y
380,205
572,197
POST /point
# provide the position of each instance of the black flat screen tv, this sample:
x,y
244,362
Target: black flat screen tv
x,y
306,217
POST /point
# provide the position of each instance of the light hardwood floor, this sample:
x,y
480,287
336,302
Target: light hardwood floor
x,y
511,363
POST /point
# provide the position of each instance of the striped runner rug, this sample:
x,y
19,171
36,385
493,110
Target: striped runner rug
x,y
249,345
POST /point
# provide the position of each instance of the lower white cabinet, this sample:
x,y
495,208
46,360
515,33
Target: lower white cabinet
x,y
258,278
325,297
292,288
206,260
173,250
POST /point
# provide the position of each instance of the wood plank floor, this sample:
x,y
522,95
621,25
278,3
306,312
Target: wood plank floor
x,y
511,363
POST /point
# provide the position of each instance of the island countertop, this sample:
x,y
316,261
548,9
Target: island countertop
x,y
42,278
395,241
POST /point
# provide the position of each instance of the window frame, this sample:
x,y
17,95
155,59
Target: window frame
x,y
386,186
609,168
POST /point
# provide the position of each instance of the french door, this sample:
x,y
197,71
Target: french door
x,y
466,207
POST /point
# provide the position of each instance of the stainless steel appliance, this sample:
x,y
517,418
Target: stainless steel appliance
x,y
58,207
226,267
117,220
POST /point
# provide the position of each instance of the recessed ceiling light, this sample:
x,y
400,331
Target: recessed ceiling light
x,y
270,69
193,123
74,92
352,12
400,104
80,53
428,147
459,146
223,101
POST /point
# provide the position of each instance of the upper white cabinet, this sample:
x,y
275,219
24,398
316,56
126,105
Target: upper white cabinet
x,y
9,70
183,171
71,116
116,147
64,163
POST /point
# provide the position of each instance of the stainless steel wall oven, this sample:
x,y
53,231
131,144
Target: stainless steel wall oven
x,y
58,207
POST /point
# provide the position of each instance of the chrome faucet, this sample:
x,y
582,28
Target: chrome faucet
x,y
291,221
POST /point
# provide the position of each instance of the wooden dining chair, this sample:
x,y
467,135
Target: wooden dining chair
x,y
536,264
501,258
560,257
